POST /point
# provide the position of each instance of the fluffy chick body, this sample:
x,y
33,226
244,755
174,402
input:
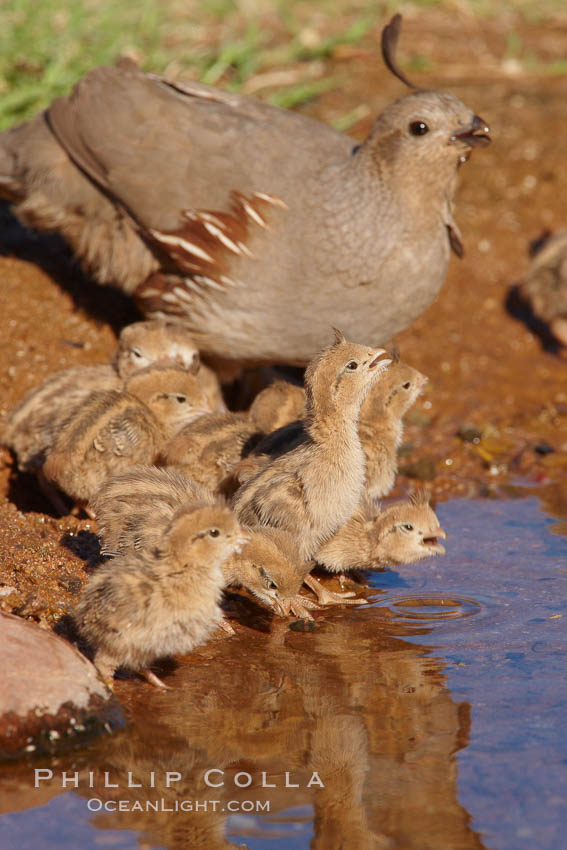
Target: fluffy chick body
x,y
545,285
118,429
154,604
373,539
133,510
313,489
208,449
277,405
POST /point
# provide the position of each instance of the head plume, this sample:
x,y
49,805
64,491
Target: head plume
x,y
390,36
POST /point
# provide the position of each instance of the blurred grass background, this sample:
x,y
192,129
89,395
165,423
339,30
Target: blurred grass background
x,y
275,49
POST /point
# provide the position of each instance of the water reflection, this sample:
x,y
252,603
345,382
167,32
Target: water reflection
x,y
351,706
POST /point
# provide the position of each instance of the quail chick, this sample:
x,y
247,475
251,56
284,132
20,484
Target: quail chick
x,y
209,448
158,603
116,430
380,426
133,509
313,489
277,405
144,343
33,425
270,567
372,539
544,287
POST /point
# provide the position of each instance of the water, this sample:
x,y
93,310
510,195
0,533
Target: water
x,y
435,718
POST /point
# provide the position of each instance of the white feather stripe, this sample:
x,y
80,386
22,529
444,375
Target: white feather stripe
x,y
271,199
178,242
251,212
218,234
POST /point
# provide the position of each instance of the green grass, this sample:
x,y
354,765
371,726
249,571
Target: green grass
x,y
47,45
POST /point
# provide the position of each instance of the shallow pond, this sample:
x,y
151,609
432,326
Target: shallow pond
x,y
434,717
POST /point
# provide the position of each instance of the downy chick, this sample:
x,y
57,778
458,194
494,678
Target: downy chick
x,y
373,539
544,287
270,567
32,427
380,426
313,489
277,405
208,449
119,429
133,509
380,429
144,343
155,604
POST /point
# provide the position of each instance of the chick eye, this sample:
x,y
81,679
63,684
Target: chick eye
x,y
137,353
407,527
352,365
407,385
271,585
181,398
418,128
214,532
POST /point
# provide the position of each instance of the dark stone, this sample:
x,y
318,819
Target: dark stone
x,y
543,449
302,626
470,434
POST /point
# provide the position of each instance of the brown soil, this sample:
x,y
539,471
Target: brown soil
x,y
487,370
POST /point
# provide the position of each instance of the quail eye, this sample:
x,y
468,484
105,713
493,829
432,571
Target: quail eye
x,y
214,532
418,128
352,365
407,385
407,526
181,398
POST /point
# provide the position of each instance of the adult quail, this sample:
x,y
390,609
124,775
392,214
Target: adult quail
x,y
256,227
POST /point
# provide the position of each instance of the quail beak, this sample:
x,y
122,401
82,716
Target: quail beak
x,y
431,542
471,135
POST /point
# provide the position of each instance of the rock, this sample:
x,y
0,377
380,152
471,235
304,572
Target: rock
x,y
50,694
470,434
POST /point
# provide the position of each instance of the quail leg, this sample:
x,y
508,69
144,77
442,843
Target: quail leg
x,y
151,677
329,597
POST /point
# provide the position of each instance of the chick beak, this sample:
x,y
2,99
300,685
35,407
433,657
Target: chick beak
x,y
376,362
471,135
432,543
